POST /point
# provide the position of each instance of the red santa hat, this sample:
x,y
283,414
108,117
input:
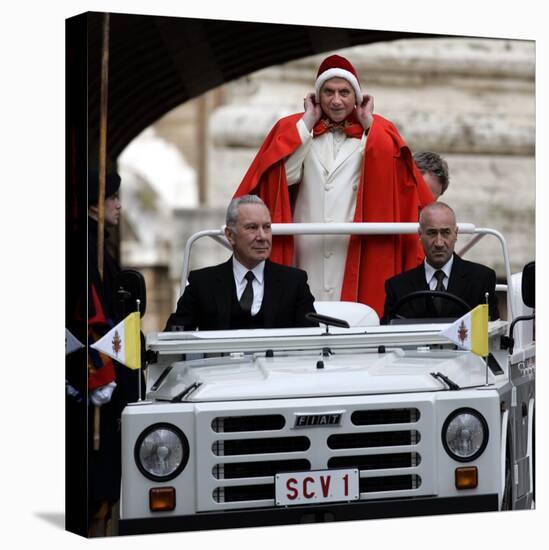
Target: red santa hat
x,y
336,66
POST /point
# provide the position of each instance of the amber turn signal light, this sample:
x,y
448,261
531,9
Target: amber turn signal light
x,y
162,499
466,478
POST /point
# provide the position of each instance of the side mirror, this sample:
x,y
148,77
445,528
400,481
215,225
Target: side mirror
x,y
130,287
528,290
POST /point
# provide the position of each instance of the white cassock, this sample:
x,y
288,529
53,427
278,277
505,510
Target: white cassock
x,y
329,169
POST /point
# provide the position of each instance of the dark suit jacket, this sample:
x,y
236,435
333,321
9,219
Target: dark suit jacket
x,y
206,301
468,280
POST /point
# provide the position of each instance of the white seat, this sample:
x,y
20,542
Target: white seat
x,y
356,314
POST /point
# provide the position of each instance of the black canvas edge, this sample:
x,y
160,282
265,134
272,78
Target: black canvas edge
x,y
388,508
76,154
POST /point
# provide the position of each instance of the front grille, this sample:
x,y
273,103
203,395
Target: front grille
x,y
239,464
373,439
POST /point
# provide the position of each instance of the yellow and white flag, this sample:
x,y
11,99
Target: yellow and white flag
x,y
123,342
470,332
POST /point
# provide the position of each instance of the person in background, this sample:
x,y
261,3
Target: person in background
x,y
434,170
111,386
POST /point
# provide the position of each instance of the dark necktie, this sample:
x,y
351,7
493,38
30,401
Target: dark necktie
x,y
247,298
439,276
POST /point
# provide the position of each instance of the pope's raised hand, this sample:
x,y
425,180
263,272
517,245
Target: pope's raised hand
x,y
312,112
365,111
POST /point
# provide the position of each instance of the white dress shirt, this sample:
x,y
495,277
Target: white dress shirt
x,y
430,273
239,272
328,169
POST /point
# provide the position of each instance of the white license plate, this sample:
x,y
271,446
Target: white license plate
x,y
316,487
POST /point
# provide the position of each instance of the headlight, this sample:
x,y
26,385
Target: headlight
x,y
161,452
465,435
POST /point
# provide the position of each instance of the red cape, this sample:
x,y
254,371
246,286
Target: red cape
x,y
391,189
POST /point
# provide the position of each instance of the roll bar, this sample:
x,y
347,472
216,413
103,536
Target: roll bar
x,y
370,228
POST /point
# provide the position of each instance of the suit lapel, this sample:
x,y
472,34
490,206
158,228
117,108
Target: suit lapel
x,y
324,154
418,282
457,285
459,282
271,292
223,292
350,145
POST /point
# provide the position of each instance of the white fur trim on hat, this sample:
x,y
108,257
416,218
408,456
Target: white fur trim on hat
x,y
339,73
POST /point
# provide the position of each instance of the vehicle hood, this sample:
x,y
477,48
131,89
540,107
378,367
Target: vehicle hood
x,y
244,377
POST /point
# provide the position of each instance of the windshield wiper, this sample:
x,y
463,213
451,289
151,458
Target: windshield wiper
x,y
179,397
161,378
451,385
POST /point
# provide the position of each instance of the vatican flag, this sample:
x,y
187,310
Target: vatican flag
x,y
123,342
470,332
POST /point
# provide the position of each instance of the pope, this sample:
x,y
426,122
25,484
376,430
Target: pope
x,y
339,162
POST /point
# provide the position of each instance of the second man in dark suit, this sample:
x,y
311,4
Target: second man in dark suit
x,y
442,270
247,291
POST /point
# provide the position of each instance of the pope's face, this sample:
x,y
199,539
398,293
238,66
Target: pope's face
x,y
251,238
438,235
337,99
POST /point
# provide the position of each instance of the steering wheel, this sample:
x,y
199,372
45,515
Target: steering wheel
x,y
428,293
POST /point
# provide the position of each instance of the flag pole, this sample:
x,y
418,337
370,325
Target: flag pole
x,y
101,185
486,357
138,302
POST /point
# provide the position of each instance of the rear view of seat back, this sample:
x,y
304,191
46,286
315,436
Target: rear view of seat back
x,y
356,314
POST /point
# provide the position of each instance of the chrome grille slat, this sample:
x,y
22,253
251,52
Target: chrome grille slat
x,y
374,450
381,428
388,472
256,458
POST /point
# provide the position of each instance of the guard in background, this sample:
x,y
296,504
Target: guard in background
x,y
111,386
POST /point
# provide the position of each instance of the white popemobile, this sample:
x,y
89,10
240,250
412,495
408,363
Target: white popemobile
x,y
279,426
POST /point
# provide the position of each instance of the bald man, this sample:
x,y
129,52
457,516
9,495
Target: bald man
x,y
442,270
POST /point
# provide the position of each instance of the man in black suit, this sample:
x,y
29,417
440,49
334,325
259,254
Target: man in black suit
x,y
442,270
247,291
